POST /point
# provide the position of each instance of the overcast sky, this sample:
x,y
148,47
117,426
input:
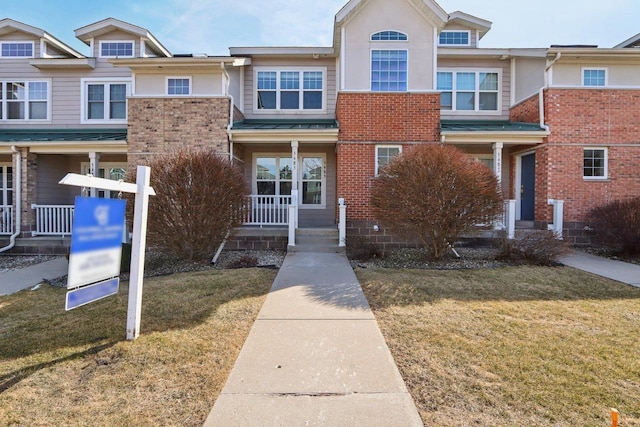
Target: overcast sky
x,y
212,26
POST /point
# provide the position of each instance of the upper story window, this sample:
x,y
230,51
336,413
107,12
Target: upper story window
x,y
455,38
594,76
595,163
105,101
116,49
16,50
179,86
24,100
389,70
469,90
290,90
389,36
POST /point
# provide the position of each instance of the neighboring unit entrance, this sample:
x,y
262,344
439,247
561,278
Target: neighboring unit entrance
x,y
528,187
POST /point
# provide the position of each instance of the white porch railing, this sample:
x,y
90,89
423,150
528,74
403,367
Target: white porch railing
x,y
6,220
267,210
53,220
558,217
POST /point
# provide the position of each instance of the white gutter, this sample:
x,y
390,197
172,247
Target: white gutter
x,y
18,189
231,105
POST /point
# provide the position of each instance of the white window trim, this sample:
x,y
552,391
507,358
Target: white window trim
x,y
4,188
388,41
606,76
3,101
84,83
455,45
277,110
377,165
605,177
371,70
33,49
166,85
133,49
323,201
477,111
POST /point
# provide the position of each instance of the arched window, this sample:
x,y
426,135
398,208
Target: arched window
x,y
389,36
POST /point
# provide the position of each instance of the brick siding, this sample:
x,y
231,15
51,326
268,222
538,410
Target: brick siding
x,y
160,125
526,111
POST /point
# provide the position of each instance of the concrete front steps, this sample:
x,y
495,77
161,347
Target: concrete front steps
x,y
323,240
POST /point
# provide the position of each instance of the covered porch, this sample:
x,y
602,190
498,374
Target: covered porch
x,y
34,208
288,163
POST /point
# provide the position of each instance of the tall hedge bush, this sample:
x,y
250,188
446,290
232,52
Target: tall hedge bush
x,y
433,194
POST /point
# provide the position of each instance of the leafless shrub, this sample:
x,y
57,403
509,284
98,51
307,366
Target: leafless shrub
x,y
535,247
617,225
433,194
199,196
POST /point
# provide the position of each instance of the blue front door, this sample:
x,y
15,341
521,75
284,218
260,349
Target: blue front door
x,y
528,187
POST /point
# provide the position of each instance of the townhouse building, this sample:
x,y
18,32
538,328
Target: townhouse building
x,y
311,126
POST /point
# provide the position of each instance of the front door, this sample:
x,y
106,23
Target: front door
x,y
528,187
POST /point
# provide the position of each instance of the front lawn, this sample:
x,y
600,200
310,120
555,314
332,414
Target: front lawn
x,y
512,346
75,368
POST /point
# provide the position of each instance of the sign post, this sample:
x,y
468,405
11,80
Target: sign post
x,y
142,190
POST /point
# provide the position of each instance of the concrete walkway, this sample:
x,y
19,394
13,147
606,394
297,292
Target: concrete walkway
x,y
315,356
617,270
26,277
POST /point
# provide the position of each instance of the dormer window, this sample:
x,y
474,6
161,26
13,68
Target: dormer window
x,y
116,49
389,36
16,50
455,38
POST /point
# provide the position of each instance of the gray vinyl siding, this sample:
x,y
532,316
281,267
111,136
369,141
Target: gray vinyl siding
x,y
249,92
51,169
529,77
307,217
475,64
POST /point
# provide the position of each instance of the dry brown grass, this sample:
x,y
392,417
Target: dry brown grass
x,y
532,346
75,368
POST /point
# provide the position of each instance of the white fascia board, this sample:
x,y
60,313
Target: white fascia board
x,y
284,51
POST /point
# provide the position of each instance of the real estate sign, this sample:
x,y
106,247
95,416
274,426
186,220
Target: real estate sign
x,y
96,240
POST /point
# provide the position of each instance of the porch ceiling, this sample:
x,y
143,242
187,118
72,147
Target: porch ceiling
x,y
490,131
268,131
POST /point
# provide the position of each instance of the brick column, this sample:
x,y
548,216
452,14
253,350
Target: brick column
x,y
29,189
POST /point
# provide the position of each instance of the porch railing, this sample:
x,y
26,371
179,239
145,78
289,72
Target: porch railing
x,y
6,220
266,210
53,220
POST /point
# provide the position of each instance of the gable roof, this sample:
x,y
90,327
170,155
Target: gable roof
x,y
86,33
630,42
9,25
429,8
479,24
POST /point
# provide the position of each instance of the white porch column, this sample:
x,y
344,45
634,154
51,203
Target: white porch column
x,y
94,168
497,160
294,180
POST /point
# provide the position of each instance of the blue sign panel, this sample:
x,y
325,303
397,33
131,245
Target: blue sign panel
x,y
96,240
87,294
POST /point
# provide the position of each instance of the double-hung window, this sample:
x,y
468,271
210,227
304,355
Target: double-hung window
x,y
16,50
384,155
116,49
179,86
470,91
595,163
594,77
24,100
455,38
389,70
290,90
105,101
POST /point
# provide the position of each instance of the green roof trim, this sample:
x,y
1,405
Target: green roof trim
x,y
62,135
289,124
488,126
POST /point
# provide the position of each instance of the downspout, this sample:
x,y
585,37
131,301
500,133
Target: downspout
x,y
18,189
229,126
231,109
546,85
